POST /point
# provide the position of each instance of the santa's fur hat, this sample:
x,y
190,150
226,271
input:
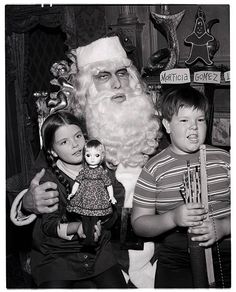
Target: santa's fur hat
x,y
104,49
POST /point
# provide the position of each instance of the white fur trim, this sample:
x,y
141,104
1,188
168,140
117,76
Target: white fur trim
x,y
16,215
126,276
128,176
141,271
100,50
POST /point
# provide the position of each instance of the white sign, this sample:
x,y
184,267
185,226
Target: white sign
x,y
207,77
175,76
227,76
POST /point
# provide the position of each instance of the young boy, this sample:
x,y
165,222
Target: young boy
x,y
158,207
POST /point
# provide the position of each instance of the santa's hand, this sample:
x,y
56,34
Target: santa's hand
x,y
41,198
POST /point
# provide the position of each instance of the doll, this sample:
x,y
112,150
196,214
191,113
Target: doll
x,y
92,193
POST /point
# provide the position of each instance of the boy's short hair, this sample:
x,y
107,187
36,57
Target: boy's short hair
x,y
176,97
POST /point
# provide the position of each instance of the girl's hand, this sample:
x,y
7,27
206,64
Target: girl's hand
x,y
97,232
80,231
210,231
191,214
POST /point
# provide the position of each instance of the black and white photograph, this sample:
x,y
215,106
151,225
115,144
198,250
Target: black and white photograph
x,y
117,145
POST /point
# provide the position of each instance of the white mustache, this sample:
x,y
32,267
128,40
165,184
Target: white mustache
x,y
112,96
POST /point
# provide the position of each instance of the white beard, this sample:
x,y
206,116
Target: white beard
x,y
130,132
128,129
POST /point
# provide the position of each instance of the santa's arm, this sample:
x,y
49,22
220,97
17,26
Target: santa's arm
x,y
40,198
16,214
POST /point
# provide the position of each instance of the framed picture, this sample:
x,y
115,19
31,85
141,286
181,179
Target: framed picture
x,y
221,129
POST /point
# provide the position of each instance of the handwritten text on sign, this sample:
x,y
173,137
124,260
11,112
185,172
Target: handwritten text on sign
x,y
207,77
227,76
175,76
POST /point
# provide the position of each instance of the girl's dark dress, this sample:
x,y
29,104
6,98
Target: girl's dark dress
x,y
54,258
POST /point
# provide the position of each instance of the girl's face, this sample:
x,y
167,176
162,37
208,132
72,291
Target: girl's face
x,y
68,144
93,157
187,130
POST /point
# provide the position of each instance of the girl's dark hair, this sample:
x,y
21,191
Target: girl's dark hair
x,y
176,97
49,127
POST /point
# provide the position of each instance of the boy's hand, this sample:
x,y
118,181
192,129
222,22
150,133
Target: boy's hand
x,y
38,199
188,215
210,232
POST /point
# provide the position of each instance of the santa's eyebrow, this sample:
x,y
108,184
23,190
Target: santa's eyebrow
x,y
122,69
103,72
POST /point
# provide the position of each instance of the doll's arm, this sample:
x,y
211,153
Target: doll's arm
x,y
76,184
111,194
74,190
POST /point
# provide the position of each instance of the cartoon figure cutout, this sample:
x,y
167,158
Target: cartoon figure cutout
x,y
199,39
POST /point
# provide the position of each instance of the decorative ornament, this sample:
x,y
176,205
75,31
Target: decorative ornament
x,y
49,103
42,109
166,24
58,100
203,44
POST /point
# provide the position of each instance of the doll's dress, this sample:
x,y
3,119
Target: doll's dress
x,y
91,198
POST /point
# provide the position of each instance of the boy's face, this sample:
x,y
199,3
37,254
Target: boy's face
x,y
187,130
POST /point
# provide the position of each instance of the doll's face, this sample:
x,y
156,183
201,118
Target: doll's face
x,y
93,157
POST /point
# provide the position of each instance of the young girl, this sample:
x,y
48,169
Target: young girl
x,y
92,194
58,259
